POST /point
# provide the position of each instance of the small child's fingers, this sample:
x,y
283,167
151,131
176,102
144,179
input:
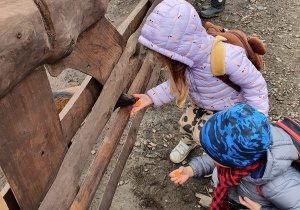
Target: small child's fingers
x,y
136,95
181,181
180,169
133,111
243,202
173,179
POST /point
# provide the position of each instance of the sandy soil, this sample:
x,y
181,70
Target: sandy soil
x,y
144,183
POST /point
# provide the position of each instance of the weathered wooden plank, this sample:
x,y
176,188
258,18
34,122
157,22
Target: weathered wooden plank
x,y
33,34
135,18
70,112
126,150
108,146
68,176
79,106
97,51
31,139
75,112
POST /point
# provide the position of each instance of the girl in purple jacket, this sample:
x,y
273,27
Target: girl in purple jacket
x,y
175,33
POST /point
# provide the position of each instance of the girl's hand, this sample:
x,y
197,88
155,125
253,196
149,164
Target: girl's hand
x,y
249,203
145,101
185,174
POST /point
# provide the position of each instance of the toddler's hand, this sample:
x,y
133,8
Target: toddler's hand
x,y
184,174
144,100
249,203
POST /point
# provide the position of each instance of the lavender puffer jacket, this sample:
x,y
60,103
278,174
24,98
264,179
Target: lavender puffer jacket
x,y
174,29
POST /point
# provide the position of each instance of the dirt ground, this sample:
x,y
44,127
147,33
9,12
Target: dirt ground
x,y
144,183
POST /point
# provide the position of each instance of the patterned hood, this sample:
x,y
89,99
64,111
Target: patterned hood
x,y
174,29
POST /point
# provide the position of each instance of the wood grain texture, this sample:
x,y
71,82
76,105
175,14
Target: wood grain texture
x,y
68,176
97,51
127,148
22,42
31,139
135,18
79,107
108,146
41,31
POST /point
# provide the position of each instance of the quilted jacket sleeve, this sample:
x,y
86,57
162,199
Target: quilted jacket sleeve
x,y
283,192
160,94
243,73
202,165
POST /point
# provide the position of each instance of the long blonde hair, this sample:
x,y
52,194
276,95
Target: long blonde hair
x,y
176,70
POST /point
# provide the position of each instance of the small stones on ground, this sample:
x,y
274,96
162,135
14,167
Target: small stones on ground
x,y
93,152
205,200
137,144
120,183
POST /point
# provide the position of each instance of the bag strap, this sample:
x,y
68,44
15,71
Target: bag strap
x,y
293,129
227,81
259,191
217,62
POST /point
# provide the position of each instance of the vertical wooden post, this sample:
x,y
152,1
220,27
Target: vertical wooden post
x,y
31,139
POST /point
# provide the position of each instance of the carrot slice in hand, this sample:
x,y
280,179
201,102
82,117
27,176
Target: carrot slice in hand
x,y
138,103
177,174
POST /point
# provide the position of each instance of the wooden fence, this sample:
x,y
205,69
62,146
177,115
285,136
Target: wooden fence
x,y
40,155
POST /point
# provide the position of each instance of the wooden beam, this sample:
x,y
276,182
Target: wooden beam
x,y
41,31
90,88
108,146
135,18
68,176
96,52
79,107
31,139
127,148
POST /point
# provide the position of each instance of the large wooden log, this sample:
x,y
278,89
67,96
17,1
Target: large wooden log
x,y
126,150
96,52
108,146
41,31
68,176
31,139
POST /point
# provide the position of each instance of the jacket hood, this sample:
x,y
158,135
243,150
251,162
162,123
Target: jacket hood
x,y
280,155
174,29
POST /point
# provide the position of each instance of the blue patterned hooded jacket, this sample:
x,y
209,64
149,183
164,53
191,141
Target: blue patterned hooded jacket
x,y
174,29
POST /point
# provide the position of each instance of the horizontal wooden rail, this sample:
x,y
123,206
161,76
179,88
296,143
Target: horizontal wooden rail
x,y
108,146
127,148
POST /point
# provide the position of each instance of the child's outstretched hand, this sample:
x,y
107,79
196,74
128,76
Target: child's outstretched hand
x,y
144,100
181,175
